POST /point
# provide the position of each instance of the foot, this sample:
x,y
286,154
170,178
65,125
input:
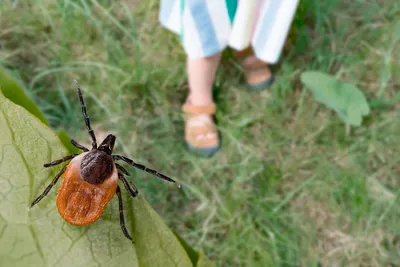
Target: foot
x,y
201,134
257,73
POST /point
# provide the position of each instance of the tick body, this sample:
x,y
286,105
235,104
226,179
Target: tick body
x,y
90,180
80,202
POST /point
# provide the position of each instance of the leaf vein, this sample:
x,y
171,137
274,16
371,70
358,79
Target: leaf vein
x,y
30,175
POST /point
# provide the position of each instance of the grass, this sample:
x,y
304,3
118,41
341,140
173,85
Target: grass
x,y
288,188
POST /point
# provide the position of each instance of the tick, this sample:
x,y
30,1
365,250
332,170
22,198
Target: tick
x,y
91,180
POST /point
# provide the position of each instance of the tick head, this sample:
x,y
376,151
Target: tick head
x,y
108,144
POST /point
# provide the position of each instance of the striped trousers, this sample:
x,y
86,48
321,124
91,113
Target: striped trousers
x,y
205,26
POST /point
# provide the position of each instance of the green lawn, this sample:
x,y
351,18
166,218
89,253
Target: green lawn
x,y
289,187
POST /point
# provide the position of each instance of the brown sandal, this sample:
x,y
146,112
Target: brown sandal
x,y
201,134
257,73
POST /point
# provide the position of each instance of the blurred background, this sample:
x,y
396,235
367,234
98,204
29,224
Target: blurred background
x,y
289,186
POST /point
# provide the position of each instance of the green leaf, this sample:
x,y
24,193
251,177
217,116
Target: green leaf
x,y
66,141
204,261
194,257
198,258
16,94
157,245
345,98
11,90
40,237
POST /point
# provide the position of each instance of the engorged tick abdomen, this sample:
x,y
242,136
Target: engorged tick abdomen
x,y
82,203
96,166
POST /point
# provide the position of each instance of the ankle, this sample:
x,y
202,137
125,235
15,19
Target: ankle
x,y
199,99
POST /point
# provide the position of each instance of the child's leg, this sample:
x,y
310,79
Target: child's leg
x,y
201,134
201,75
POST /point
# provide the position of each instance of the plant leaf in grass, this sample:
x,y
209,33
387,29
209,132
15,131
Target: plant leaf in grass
x,y
40,237
345,98
11,90
203,261
198,258
66,141
157,245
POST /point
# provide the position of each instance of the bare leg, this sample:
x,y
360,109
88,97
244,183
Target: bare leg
x,y
201,74
200,129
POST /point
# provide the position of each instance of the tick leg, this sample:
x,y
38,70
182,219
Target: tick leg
x,y
121,215
122,169
56,162
48,188
129,186
87,119
144,168
76,144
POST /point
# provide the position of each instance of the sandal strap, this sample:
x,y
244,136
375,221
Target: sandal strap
x,y
192,135
254,66
265,72
201,130
243,53
198,110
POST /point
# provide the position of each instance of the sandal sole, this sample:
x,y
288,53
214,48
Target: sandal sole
x,y
262,85
205,152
